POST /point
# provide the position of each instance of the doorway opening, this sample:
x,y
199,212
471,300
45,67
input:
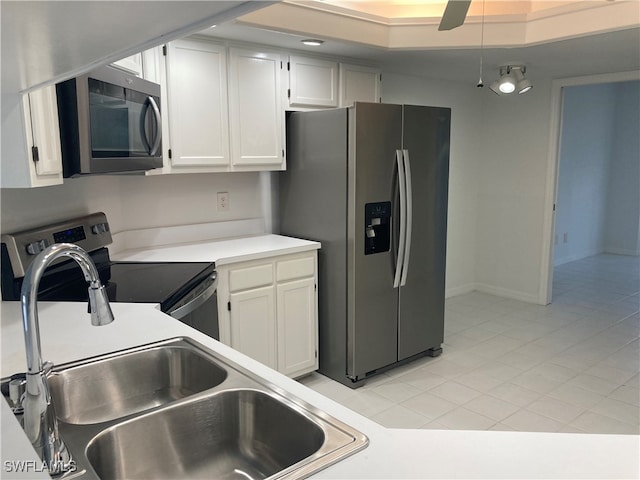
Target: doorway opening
x,y
596,202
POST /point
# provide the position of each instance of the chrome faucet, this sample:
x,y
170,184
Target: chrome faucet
x,y
40,422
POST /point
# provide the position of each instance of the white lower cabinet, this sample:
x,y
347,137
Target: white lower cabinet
x,y
268,310
253,324
296,321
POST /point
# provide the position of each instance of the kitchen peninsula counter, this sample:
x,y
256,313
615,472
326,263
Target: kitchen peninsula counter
x,y
67,335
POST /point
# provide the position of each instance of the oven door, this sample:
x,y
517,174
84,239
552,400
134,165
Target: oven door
x,y
199,308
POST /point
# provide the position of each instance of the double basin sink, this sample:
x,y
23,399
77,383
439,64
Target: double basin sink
x,y
175,409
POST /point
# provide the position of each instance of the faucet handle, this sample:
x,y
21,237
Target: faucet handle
x,y
17,389
47,366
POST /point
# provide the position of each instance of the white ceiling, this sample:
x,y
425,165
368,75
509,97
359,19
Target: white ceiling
x,y
560,39
46,41
617,51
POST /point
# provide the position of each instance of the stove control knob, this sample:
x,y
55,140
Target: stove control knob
x,y
36,247
99,228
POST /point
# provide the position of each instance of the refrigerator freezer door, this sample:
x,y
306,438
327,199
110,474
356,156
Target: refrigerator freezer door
x,y
375,133
421,318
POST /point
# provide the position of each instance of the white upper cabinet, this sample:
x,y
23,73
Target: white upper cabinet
x,y
312,82
359,84
153,65
131,64
31,154
46,132
198,113
256,116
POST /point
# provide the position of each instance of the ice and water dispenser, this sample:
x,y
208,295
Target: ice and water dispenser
x,y
377,221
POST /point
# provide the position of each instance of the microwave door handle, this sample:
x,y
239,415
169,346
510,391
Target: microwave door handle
x,y
156,114
143,126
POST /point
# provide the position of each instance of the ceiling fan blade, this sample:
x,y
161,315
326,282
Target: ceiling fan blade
x,y
454,14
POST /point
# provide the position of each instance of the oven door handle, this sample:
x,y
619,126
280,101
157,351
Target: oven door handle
x,y
186,309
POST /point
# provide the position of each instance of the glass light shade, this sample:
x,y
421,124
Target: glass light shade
x,y
523,85
507,85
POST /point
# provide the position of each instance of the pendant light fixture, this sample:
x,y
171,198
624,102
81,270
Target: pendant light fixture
x,y
480,82
512,79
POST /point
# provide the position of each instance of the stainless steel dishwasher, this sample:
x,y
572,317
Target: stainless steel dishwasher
x,y
199,308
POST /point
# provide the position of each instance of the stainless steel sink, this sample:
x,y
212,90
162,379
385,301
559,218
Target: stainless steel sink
x,y
112,387
233,434
175,409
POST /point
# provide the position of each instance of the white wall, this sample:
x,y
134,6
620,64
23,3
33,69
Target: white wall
x,y
465,103
623,200
511,192
588,119
599,171
499,151
133,202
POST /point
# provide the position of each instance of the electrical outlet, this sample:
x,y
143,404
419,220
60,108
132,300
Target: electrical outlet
x,y
565,238
223,201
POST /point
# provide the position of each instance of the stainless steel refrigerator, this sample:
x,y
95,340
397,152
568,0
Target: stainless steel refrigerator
x,y
371,182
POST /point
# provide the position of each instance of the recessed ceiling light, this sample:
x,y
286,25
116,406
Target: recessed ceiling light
x,y
312,42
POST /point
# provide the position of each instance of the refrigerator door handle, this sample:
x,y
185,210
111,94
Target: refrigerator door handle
x,y
409,217
403,218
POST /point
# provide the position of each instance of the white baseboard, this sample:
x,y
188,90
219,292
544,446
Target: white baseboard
x,y
508,293
622,251
578,256
460,290
493,290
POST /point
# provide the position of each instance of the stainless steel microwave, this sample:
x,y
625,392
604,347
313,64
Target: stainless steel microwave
x,y
110,122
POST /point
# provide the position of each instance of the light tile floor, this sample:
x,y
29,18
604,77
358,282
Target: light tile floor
x,y
571,366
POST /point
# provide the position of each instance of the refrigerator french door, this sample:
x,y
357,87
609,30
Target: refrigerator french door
x,y
370,182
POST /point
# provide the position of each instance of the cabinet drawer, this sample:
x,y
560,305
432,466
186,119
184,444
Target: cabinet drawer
x,y
250,277
298,268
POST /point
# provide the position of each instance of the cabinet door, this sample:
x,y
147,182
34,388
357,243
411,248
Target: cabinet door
x,y
197,90
358,84
132,64
313,82
255,108
45,131
297,327
253,324
152,65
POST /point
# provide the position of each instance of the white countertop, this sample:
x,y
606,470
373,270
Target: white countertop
x,y
67,335
219,251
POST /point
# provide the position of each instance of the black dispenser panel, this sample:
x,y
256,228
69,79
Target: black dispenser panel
x,y
377,227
